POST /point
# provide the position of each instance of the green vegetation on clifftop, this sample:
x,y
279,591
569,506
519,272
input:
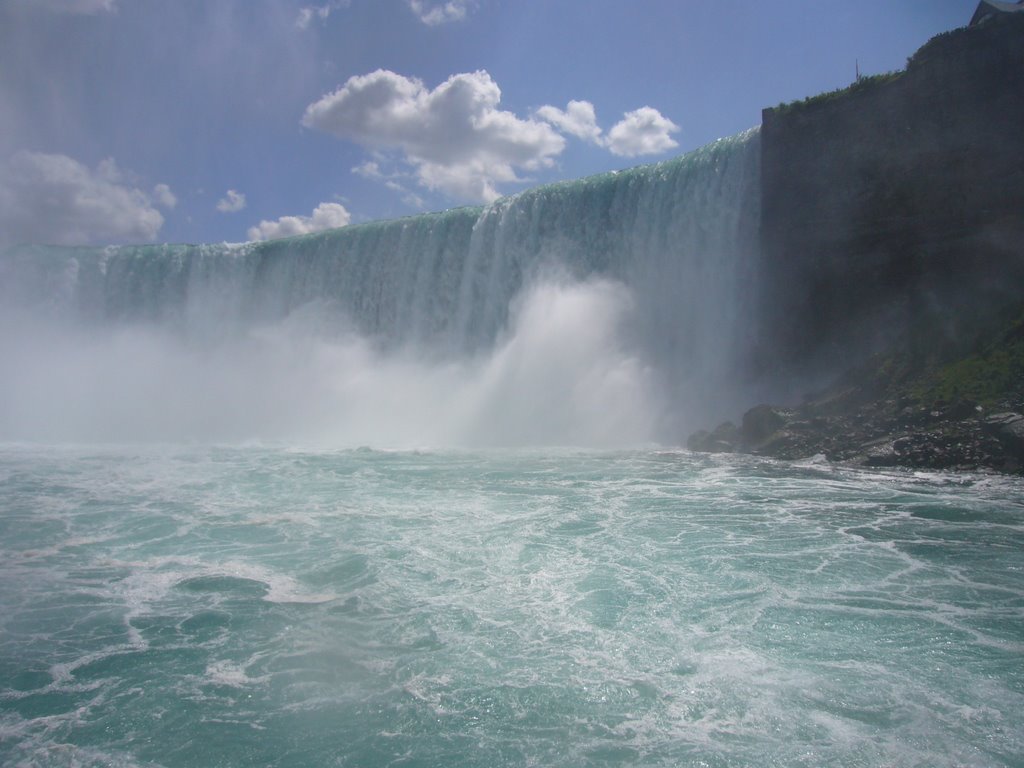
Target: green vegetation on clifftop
x,y
862,83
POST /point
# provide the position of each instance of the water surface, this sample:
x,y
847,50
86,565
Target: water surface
x,y
196,606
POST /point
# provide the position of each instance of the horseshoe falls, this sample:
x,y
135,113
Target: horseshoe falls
x,y
406,494
602,312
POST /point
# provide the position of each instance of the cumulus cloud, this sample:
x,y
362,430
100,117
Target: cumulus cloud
x,y
643,131
369,170
434,14
408,197
52,198
70,6
310,12
232,202
324,216
577,119
164,197
454,137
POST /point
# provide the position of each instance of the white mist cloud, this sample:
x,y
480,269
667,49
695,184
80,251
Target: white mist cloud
x,y
454,137
434,14
324,216
643,131
52,198
563,374
232,202
577,119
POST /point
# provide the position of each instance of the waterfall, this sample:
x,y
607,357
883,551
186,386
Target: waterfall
x,y
676,241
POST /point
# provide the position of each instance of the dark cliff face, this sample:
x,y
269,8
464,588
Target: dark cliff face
x,y
893,212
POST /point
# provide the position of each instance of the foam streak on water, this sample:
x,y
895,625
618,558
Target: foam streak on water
x,y
236,607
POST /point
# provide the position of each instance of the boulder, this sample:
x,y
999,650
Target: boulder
x,y
722,439
879,453
760,423
1008,429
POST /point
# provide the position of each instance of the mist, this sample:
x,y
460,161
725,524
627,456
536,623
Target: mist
x,y
561,374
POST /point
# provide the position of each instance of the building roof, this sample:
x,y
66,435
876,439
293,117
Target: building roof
x,y
987,8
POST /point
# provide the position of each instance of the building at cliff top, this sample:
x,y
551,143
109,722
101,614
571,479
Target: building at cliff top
x,y
989,8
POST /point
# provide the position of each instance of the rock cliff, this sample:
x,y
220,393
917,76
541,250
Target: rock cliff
x,y
893,244
895,208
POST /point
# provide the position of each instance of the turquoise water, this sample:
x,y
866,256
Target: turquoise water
x,y
188,605
195,606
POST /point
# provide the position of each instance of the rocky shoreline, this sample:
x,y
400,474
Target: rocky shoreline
x,y
953,436
904,409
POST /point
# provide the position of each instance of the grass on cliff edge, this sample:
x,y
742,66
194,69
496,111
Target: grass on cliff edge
x,y
930,371
991,375
862,83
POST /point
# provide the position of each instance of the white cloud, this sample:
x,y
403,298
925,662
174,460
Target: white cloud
x,y
369,170
643,131
578,119
164,197
434,13
454,137
325,216
71,6
232,202
310,12
55,199
408,197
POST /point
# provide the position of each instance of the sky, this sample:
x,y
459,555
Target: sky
x,y
134,121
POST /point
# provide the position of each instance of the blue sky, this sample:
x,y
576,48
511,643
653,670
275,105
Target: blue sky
x,y
228,120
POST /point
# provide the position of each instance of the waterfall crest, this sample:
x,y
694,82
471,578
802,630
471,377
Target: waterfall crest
x,y
677,240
